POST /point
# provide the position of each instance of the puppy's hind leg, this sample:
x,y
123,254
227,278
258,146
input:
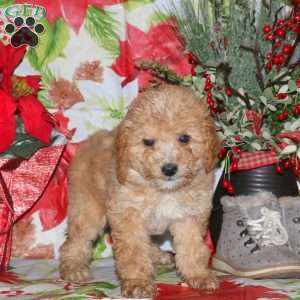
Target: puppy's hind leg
x,y
85,223
160,257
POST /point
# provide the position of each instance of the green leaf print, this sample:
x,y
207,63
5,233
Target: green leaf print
x,y
102,27
6,3
156,18
51,44
133,4
43,95
114,111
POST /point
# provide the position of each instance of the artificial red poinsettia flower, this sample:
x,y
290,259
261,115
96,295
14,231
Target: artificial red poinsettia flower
x,y
160,44
72,11
18,96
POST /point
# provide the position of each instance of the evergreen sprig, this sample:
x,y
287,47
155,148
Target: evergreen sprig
x,y
247,57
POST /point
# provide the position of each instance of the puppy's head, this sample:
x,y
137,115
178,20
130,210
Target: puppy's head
x,y
166,139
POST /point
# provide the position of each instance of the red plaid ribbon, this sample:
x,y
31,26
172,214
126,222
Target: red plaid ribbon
x,y
252,160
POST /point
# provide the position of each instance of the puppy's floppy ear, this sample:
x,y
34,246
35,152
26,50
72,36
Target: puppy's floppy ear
x,y
212,145
122,152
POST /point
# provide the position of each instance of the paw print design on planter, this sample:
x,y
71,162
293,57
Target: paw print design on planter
x,y
24,31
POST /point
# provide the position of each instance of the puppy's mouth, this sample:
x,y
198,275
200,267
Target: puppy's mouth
x,y
169,183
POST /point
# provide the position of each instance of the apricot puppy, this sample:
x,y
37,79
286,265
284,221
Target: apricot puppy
x,y
151,173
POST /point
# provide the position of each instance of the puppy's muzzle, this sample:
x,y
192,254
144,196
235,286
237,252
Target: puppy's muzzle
x,y
169,169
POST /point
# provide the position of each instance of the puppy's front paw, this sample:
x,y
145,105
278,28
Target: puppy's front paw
x,y
75,274
206,282
134,288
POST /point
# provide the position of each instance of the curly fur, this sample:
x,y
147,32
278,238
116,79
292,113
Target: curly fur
x,y
115,178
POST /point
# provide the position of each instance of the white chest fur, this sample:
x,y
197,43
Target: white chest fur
x,y
168,210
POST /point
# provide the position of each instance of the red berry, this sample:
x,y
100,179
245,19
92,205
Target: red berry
x,y
282,116
207,87
269,37
267,29
297,19
269,55
230,189
278,169
236,150
228,91
234,166
278,59
280,32
298,82
282,95
205,74
212,105
221,153
290,24
296,28
193,70
287,164
277,45
268,66
297,110
238,139
225,183
287,49
280,22
296,170
191,58
234,159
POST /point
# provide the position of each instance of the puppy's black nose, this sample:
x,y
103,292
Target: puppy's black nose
x,y
169,169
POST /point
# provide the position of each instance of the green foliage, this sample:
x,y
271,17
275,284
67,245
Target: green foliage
x,y
219,32
102,27
24,146
252,97
43,95
133,4
51,44
6,3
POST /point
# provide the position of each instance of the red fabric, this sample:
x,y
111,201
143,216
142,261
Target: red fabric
x,y
256,119
227,290
292,135
22,183
252,160
53,204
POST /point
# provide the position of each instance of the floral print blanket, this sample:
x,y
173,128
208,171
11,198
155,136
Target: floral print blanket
x,y
38,279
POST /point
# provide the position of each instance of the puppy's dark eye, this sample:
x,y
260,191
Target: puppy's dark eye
x,y
184,138
149,142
